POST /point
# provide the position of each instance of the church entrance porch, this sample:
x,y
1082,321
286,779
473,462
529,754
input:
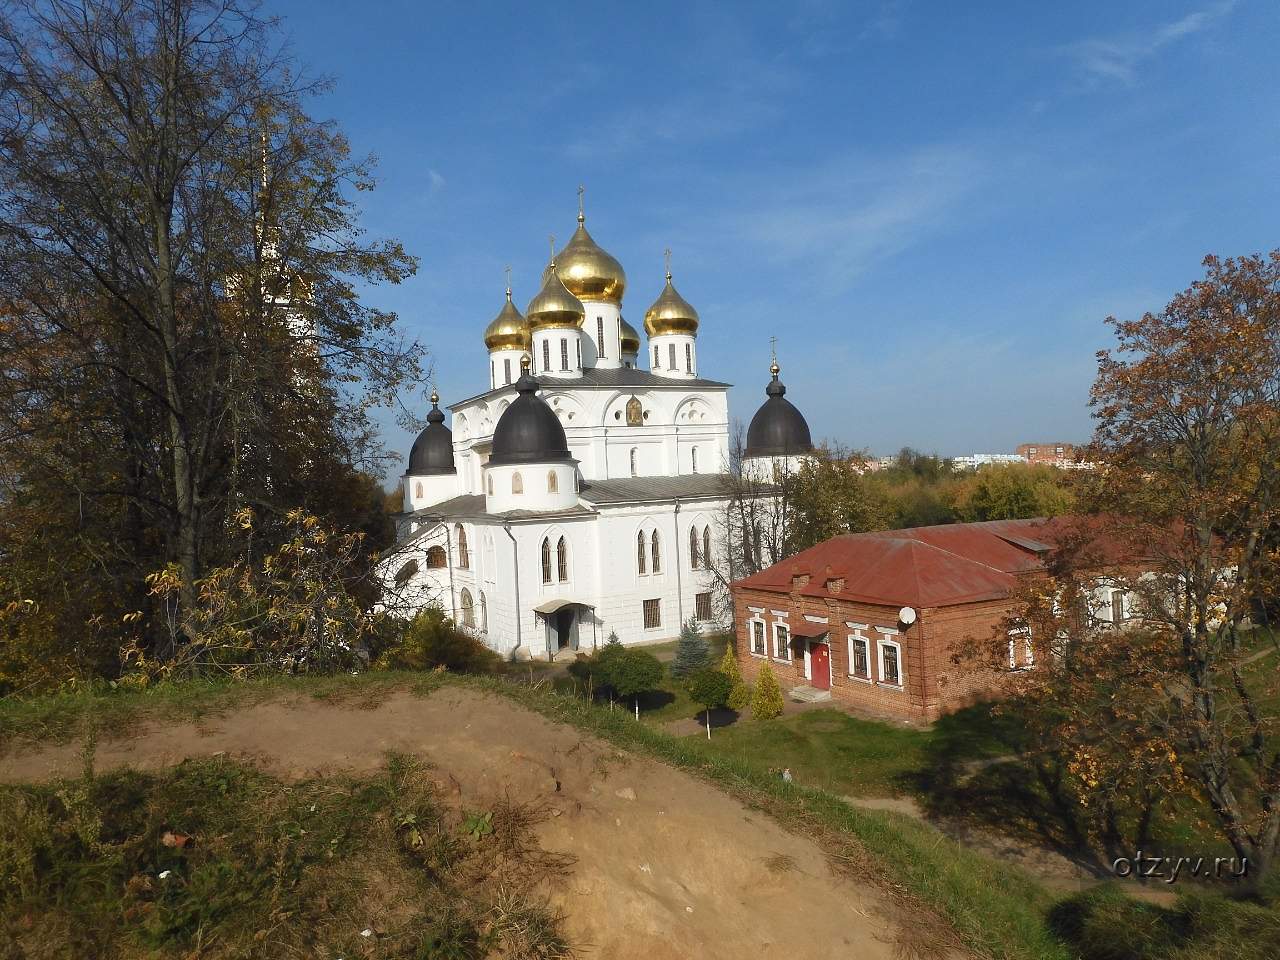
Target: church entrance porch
x,y
565,623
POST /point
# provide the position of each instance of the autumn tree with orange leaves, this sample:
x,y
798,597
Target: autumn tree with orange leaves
x,y
1178,698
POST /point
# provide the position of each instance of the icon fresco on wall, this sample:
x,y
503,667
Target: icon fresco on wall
x,y
635,415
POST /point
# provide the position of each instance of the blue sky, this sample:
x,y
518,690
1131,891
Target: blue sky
x,y
932,206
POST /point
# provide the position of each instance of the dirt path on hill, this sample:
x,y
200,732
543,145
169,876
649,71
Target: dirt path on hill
x,y
667,865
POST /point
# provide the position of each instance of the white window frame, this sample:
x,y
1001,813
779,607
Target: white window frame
x,y
858,635
887,638
751,637
786,646
1023,634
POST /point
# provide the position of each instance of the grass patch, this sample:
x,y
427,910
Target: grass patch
x,y
1104,924
213,858
827,749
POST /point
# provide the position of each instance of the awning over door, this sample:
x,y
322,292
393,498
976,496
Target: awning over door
x,y
551,606
810,631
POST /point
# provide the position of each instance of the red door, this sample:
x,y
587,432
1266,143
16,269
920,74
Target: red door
x,y
820,665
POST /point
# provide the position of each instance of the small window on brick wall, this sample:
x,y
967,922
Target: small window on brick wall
x,y
859,661
757,638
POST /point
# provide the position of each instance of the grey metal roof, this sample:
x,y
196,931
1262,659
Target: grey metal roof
x,y
471,506
647,489
604,377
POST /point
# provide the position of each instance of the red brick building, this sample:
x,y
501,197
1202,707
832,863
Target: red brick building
x,y
1050,453
874,618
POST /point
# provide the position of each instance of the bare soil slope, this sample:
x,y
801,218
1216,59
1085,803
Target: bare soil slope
x,y
667,866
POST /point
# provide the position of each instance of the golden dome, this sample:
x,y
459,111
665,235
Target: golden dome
x,y
554,306
589,272
670,313
630,337
509,330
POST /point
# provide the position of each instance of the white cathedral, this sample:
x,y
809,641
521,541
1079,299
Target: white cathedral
x,y
580,495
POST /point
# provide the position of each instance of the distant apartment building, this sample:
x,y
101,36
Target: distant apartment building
x,y
973,461
1053,454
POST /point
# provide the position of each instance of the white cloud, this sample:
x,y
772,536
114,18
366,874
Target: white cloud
x,y
435,182
837,222
1118,58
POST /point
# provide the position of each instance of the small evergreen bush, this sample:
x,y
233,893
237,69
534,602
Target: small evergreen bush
x,y
692,654
767,700
739,692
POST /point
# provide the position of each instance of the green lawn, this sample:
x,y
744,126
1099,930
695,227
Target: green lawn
x,y
827,749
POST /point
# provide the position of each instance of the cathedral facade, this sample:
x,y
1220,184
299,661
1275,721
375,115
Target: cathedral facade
x,y
586,491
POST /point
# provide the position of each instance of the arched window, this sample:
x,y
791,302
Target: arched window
x,y
655,357
706,547
405,572
546,356
671,356
564,353
553,484
493,376
464,555
546,560
436,559
484,613
517,483
562,561
688,358
693,453
491,484
600,336
468,609
633,461
506,369
694,558
417,489
655,552
640,553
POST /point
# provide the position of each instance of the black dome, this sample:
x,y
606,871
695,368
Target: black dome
x,y
528,431
778,429
432,452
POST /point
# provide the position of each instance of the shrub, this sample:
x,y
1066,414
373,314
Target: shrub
x,y
767,700
692,654
432,640
739,693
632,672
711,688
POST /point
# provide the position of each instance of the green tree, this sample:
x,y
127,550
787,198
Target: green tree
x,y
1013,492
829,497
633,672
692,654
739,693
182,268
766,702
711,688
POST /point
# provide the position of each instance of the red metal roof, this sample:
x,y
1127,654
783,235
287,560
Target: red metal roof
x,y
920,566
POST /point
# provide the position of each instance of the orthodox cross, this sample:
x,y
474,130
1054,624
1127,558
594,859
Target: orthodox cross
x,y
507,270
667,256
581,190
773,349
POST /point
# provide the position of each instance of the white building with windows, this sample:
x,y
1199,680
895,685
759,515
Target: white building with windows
x,y
583,492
